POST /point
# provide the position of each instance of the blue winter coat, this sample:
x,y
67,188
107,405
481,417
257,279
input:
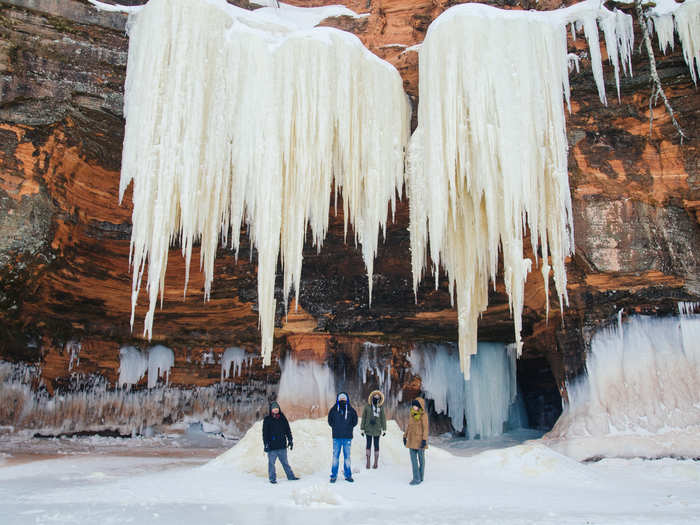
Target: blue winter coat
x,y
342,421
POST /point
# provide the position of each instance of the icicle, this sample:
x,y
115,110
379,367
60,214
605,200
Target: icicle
x,y
295,112
489,156
685,19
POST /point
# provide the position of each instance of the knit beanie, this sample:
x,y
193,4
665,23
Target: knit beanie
x,y
416,403
274,404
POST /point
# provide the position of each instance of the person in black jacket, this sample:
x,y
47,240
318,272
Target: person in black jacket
x,y
342,418
277,436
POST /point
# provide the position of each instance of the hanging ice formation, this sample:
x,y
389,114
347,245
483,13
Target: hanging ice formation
x,y
160,360
640,394
489,157
134,364
667,16
240,117
485,401
235,357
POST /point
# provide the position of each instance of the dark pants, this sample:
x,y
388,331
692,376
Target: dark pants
x,y
376,443
272,456
418,463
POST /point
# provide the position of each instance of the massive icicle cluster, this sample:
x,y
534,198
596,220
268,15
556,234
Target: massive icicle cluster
x,y
486,402
236,117
641,393
668,15
489,157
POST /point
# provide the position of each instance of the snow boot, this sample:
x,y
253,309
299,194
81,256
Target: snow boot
x,y
333,480
273,482
376,459
349,479
368,455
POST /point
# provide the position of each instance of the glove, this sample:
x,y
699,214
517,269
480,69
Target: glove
x,y
363,434
266,447
291,445
404,440
423,443
384,433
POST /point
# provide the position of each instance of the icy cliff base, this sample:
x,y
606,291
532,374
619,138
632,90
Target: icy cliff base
x,y
641,395
313,445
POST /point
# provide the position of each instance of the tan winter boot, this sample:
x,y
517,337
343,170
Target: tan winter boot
x,y
368,453
376,458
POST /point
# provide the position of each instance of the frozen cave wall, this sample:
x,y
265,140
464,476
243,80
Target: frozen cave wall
x,y
64,239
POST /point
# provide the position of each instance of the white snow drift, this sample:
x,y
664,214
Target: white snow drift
x,y
641,393
254,118
488,160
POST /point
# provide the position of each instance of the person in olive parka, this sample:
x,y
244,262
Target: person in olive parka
x,y
373,424
277,436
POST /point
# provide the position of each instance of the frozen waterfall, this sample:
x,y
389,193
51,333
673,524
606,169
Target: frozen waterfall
x,y
254,118
306,389
486,401
641,393
488,161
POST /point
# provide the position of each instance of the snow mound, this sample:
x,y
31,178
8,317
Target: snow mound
x,y
532,459
312,451
316,496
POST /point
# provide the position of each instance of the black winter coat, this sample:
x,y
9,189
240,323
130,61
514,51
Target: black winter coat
x,y
342,421
276,432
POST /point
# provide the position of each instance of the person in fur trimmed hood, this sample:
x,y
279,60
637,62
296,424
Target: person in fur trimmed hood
x,y
373,424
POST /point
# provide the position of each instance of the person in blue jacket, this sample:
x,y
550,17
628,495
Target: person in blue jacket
x,y
342,418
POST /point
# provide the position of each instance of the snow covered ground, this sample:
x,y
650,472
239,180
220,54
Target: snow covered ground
x,y
167,480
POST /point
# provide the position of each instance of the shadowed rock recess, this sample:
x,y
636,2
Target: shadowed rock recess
x,y
64,238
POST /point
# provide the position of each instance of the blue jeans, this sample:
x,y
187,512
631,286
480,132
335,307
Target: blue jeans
x,y
337,445
272,456
418,463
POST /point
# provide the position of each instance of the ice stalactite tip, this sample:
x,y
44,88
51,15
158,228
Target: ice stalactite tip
x,y
488,160
253,118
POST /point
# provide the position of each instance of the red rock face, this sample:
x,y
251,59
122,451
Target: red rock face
x,y
64,238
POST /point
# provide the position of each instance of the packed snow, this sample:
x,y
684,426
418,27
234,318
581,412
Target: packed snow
x,y
641,393
488,160
300,112
486,402
524,484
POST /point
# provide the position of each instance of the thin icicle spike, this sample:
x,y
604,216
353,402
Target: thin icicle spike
x,y
240,118
488,161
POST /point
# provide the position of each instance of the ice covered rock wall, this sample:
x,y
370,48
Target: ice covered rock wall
x,y
488,161
641,393
253,118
